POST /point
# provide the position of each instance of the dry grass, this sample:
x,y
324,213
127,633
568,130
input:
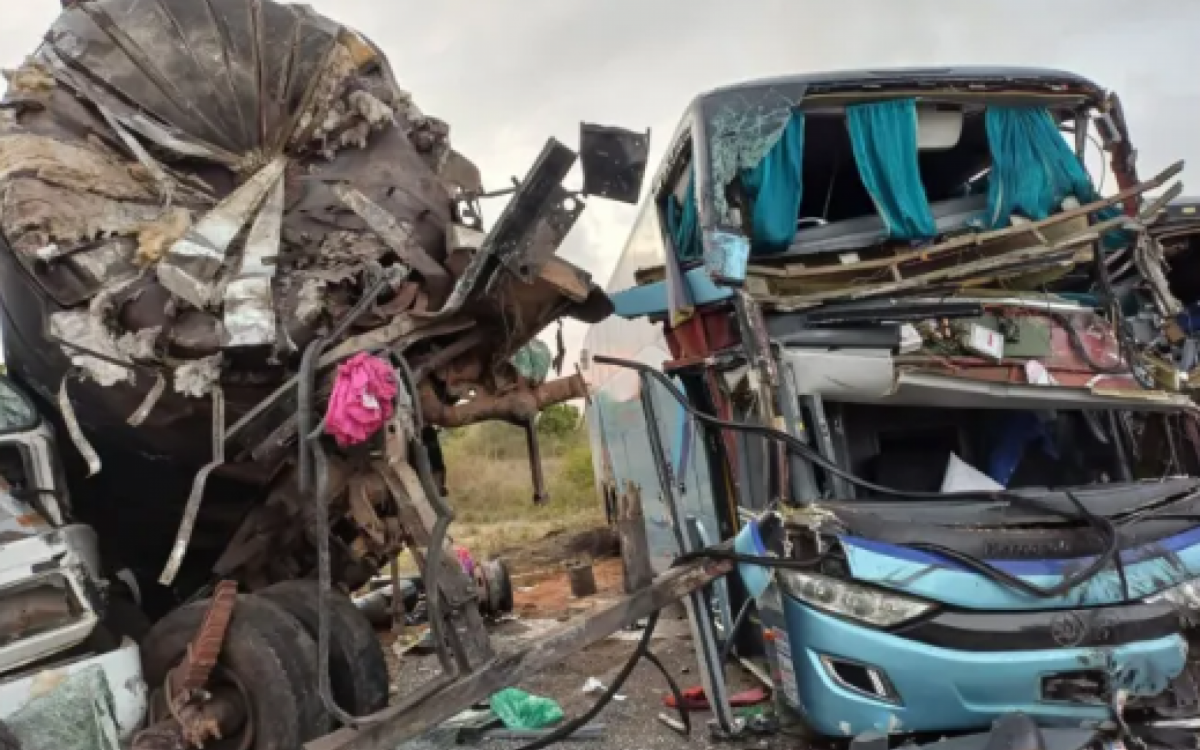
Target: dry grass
x,y
507,537
491,488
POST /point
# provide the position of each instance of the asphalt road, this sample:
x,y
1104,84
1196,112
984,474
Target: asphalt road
x,y
632,723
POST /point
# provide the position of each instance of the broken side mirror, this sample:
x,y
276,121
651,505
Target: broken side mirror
x,y
539,215
541,212
614,161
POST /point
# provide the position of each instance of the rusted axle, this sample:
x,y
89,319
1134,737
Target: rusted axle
x,y
518,406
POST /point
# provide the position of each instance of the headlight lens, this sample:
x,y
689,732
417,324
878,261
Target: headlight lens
x,y
875,607
1185,595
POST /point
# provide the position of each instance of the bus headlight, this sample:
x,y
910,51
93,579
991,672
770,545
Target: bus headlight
x,y
869,605
1184,595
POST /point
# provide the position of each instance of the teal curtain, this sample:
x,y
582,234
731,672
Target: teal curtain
x,y
884,138
1033,167
683,223
775,188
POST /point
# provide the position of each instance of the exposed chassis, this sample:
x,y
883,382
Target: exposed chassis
x,y
427,710
478,671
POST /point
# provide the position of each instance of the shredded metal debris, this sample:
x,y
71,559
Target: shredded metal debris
x,y
180,228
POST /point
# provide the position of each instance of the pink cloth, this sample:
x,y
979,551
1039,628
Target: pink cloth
x,y
465,560
361,401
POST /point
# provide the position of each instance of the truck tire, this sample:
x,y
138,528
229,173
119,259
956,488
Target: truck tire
x,y
123,618
267,652
357,667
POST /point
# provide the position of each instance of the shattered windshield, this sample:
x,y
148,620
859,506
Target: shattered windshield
x,y
16,412
781,161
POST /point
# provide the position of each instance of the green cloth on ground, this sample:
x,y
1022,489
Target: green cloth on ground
x,y
520,710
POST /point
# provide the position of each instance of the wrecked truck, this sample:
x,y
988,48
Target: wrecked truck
x,y
70,669
884,326
181,227
244,281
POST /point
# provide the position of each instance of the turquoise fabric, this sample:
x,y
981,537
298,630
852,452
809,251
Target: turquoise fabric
x,y
683,223
521,710
775,188
884,137
533,361
1033,168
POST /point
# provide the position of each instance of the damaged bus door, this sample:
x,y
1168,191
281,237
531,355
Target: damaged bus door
x,y
697,602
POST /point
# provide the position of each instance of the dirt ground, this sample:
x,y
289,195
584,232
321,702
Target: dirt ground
x,y
543,603
547,594
630,724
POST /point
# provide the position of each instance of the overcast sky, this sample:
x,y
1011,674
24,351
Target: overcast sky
x,y
508,73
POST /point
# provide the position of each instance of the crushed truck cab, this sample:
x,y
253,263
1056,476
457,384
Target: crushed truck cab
x,y
63,672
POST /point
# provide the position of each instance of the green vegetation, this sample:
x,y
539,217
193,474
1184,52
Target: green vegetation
x,y
492,491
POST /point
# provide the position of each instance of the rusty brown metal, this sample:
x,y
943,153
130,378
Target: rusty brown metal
x,y
165,735
217,717
519,405
193,715
540,494
205,648
446,357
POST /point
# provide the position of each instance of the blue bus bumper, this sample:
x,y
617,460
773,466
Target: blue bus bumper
x,y
936,689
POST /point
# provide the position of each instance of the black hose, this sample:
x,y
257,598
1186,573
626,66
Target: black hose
x,y
1110,555
443,512
685,718
1128,351
325,583
642,651
304,406
437,545
310,451
797,446
716,553
411,381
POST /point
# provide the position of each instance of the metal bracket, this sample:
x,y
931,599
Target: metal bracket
x,y
538,217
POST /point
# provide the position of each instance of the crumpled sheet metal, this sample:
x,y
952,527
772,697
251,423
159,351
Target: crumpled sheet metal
x,y
94,190
192,263
247,191
215,103
249,304
85,335
293,86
